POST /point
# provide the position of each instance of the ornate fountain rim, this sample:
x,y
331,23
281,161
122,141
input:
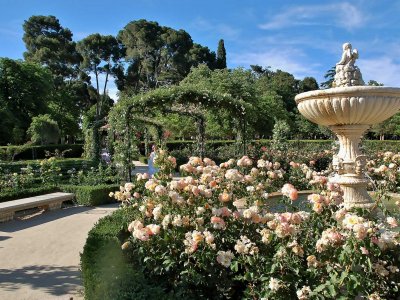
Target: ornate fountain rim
x,y
351,91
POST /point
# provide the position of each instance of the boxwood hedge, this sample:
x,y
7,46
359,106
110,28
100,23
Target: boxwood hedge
x,y
106,273
91,195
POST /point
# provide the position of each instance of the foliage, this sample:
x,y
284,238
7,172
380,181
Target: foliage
x,y
100,55
15,181
50,172
24,89
105,273
121,115
389,127
384,168
91,195
329,76
50,44
221,55
157,56
44,130
94,176
216,235
280,135
20,193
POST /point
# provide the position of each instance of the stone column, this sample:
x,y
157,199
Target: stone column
x,y
349,164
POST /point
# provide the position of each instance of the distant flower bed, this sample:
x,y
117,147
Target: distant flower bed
x,y
213,234
384,168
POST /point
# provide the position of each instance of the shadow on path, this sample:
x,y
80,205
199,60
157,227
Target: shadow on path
x,y
48,216
53,280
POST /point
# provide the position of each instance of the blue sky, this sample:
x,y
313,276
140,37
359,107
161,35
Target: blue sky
x,y
301,37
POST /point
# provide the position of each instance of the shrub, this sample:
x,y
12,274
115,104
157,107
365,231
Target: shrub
x,y
91,195
143,159
64,164
14,194
215,235
29,151
44,130
103,174
280,135
105,271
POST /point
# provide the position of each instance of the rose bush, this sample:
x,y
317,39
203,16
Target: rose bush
x,y
384,168
216,234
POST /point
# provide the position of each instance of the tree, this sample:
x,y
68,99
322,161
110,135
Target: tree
x,y
221,55
308,84
389,127
202,55
100,55
330,77
143,41
50,44
374,83
157,56
240,84
44,130
282,83
25,89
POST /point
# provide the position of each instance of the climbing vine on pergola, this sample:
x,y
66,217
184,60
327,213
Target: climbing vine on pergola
x,y
184,100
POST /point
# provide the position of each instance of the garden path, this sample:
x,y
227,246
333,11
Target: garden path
x,y
39,256
144,168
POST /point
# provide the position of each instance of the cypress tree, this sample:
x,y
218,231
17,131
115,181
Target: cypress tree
x,y
221,55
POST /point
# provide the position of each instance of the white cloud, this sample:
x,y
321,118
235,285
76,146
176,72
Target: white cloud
x,y
288,60
383,69
343,15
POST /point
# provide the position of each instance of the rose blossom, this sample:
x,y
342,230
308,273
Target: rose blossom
x,y
225,258
392,222
274,284
218,223
304,293
224,197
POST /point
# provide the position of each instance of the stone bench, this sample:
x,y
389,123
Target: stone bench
x,y
48,202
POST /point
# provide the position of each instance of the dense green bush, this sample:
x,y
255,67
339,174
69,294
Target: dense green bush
x,y
9,195
44,130
103,174
143,159
373,146
28,152
91,195
64,164
105,272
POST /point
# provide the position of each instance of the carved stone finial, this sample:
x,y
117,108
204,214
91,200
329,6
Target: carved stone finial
x,y
347,74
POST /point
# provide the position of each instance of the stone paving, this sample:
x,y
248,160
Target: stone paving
x,y
39,257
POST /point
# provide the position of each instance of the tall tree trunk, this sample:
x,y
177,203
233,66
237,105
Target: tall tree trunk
x,y
98,91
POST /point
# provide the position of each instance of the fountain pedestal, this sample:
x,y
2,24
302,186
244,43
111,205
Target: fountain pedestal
x,y
349,165
349,109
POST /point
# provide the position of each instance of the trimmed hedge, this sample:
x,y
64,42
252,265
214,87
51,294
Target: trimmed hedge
x,y
26,193
38,151
91,195
65,164
105,271
143,159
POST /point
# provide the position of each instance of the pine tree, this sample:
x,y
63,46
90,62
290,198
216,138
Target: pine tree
x,y
221,55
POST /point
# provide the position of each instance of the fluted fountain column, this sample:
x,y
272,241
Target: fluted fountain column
x,y
349,165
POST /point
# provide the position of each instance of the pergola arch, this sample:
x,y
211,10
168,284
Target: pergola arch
x,y
184,100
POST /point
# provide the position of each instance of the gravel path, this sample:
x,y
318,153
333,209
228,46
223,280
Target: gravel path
x,y
39,256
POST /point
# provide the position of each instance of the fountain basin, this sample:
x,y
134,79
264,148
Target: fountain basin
x,y
364,105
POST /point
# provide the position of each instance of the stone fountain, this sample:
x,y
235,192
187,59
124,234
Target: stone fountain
x,y
349,109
